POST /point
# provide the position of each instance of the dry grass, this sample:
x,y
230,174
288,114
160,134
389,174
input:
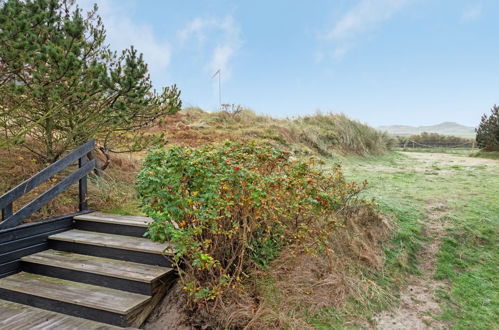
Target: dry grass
x,y
299,287
114,192
324,134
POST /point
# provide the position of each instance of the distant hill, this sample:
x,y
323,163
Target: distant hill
x,y
445,128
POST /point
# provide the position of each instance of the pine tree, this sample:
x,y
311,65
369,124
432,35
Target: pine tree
x,y
61,85
487,134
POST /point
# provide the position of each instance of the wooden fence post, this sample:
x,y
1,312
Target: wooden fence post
x,y
82,185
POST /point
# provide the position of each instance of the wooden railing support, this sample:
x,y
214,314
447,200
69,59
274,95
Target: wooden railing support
x,y
85,166
82,186
6,211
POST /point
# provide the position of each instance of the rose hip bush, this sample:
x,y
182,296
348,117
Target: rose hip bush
x,y
231,209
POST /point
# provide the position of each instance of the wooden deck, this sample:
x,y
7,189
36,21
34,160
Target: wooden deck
x,y
21,317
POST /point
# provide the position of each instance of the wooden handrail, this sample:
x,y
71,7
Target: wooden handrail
x,y
11,219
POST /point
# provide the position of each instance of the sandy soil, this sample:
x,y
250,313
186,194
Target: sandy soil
x,y
418,302
170,314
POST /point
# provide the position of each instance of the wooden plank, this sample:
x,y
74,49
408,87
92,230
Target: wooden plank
x,y
47,196
22,317
10,267
96,265
90,278
17,254
113,241
91,296
127,220
110,228
27,241
113,253
45,174
35,228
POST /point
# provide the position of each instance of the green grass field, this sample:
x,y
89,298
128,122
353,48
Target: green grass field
x,y
458,198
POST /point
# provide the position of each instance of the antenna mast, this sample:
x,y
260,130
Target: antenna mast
x,y
219,73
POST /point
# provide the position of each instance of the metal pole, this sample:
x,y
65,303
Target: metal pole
x,y
219,89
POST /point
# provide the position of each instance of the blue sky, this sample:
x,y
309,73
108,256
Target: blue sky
x,y
383,62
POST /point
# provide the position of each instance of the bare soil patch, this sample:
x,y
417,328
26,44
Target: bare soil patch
x,y
418,302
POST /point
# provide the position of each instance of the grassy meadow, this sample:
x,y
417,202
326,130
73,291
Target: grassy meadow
x,y
456,196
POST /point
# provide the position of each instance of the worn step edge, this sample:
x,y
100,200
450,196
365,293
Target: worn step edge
x,y
29,280
116,219
110,267
105,240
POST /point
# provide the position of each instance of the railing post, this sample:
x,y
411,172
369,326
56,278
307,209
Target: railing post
x,y
83,186
6,211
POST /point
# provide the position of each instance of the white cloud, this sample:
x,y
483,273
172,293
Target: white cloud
x,y
122,32
221,57
220,38
195,27
471,14
365,16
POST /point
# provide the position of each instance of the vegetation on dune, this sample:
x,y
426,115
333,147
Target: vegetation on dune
x,y
61,84
320,134
232,210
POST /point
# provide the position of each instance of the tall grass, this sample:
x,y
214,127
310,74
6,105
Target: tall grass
x,y
324,134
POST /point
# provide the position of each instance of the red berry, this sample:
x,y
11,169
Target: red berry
x,y
236,168
164,223
170,187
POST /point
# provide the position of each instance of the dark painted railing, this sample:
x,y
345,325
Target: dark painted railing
x,y
85,166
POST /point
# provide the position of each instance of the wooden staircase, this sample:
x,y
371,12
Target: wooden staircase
x,y
102,270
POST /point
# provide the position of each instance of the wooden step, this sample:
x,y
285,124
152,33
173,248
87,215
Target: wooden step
x,y
113,223
127,220
111,273
120,247
77,299
21,317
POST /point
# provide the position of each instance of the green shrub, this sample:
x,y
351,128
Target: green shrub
x,y
231,209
